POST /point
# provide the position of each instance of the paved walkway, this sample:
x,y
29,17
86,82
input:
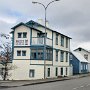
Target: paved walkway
x,y
8,84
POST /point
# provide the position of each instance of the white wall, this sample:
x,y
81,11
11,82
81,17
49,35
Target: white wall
x,y
59,42
22,70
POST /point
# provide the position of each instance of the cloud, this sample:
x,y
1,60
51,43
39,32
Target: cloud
x,y
70,17
8,20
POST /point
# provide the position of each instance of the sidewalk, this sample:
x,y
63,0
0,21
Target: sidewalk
x,y
8,84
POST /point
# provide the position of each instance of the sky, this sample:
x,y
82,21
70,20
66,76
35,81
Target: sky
x,y
69,17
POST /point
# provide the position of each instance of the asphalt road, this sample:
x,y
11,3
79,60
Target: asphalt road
x,y
74,84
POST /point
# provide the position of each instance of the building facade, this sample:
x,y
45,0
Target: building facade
x,y
86,54
28,52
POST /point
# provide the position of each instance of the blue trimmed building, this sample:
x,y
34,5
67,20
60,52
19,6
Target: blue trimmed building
x,y
28,52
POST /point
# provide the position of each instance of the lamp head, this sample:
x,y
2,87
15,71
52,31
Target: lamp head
x,y
34,2
57,0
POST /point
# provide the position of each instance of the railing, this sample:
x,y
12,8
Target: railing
x,y
40,41
21,42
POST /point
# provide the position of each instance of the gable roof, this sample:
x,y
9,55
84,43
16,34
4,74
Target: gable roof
x,y
82,49
32,23
79,57
21,23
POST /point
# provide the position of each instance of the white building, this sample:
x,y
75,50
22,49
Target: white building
x,y
85,53
28,52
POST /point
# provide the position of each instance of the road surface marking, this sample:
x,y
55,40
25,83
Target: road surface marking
x,y
88,85
75,88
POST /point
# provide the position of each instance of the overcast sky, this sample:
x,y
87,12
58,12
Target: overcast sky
x,y
70,17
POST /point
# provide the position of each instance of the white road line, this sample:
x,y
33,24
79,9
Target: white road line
x,y
74,88
88,85
81,86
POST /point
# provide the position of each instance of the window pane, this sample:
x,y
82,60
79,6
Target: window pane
x,y
19,35
62,40
40,54
48,72
56,38
66,70
56,55
49,55
66,42
33,53
86,56
25,35
18,53
23,53
56,71
26,42
62,56
66,57
37,54
61,71
31,73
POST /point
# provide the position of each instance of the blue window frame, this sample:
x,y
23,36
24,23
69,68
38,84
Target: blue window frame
x,y
49,55
62,56
33,53
38,54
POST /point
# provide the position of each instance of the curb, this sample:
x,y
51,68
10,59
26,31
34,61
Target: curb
x,y
45,82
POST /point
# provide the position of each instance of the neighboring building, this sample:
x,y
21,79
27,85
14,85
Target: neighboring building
x,y
28,52
79,63
85,53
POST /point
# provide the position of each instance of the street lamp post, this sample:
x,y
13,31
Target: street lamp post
x,y
45,7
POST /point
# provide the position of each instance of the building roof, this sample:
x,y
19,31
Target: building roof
x,y
32,23
21,23
79,57
82,49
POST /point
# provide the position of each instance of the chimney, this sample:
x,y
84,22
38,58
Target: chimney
x,y
47,23
40,21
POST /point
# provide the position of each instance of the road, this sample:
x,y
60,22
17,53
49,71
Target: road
x,y
74,84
